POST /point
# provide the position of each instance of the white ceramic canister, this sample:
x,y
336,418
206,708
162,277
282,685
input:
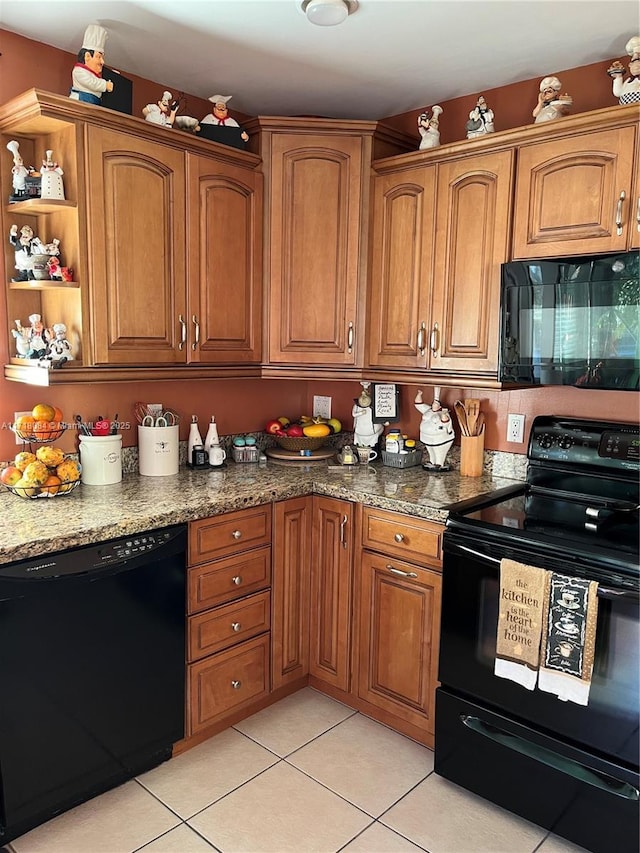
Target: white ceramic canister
x,y
158,451
101,459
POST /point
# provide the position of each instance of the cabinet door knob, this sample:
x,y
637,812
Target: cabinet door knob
x,y
621,198
236,534
196,339
183,331
237,580
236,684
399,537
235,626
402,574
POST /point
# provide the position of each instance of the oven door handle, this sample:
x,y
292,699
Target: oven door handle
x,y
568,766
617,594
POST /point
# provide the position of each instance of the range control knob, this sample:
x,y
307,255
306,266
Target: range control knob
x,y
545,440
565,442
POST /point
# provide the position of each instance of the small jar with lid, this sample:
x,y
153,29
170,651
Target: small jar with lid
x,y
393,441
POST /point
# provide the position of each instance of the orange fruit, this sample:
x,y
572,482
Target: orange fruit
x,y
43,412
58,417
51,485
45,430
24,426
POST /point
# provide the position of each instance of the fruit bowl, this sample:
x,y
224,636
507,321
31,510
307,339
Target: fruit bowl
x,y
44,434
302,443
31,492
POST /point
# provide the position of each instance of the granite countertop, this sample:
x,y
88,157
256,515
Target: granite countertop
x,y
95,513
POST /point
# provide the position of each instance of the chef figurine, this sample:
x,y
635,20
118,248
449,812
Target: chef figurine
x,y
26,246
436,430
365,432
627,91
551,105
88,83
163,112
428,128
220,115
480,119
51,185
36,336
19,173
59,349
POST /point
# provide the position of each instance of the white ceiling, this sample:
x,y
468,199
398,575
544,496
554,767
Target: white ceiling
x,y
389,57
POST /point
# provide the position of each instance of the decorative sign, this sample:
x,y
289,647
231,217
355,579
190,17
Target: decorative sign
x,y
385,403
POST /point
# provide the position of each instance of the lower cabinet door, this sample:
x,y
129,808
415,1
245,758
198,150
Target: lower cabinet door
x,y
227,682
399,629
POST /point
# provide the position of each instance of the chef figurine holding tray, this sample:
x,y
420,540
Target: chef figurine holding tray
x,y
627,91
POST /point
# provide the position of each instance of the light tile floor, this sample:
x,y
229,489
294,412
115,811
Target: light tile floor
x,y
307,775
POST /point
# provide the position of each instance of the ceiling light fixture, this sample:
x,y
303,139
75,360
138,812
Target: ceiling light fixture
x,y
328,13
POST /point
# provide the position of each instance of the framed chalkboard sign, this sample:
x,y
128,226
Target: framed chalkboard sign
x,y
385,403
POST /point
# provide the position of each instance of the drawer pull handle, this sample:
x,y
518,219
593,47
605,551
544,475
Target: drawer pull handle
x,y
183,331
237,580
236,684
236,626
350,336
399,537
434,343
196,339
422,333
343,538
236,534
402,574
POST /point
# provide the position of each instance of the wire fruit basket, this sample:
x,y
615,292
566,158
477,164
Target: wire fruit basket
x,y
43,433
302,443
44,491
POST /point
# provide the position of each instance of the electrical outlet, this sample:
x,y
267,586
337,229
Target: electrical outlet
x,y
322,407
16,415
515,428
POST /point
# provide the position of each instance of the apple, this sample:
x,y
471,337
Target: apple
x,y
295,431
273,427
10,475
335,424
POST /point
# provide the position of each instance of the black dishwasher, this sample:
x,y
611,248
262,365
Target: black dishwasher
x,y
92,671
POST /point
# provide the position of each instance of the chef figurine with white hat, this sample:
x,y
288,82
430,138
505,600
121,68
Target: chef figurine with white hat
x,y
163,112
88,83
220,115
627,91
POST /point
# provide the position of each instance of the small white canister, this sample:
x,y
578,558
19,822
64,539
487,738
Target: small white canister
x,y
158,451
101,459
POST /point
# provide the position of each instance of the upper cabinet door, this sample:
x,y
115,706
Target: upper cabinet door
x,y
401,259
472,241
224,263
574,195
136,235
315,247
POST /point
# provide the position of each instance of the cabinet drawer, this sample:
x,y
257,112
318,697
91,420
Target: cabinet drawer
x,y
223,580
227,682
229,533
402,536
227,625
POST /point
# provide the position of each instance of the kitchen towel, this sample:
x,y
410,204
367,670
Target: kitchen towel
x,y
569,638
523,593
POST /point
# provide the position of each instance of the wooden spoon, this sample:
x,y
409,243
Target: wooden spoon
x,y
461,412
480,423
472,407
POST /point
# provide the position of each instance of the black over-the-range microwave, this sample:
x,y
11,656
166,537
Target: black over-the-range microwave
x,y
571,321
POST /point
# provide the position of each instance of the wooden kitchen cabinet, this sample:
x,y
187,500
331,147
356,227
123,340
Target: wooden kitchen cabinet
x,y
228,617
164,233
331,591
316,224
397,618
575,194
290,585
440,233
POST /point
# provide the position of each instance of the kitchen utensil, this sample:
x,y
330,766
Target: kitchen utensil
x,y
164,419
480,423
472,407
461,412
84,429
